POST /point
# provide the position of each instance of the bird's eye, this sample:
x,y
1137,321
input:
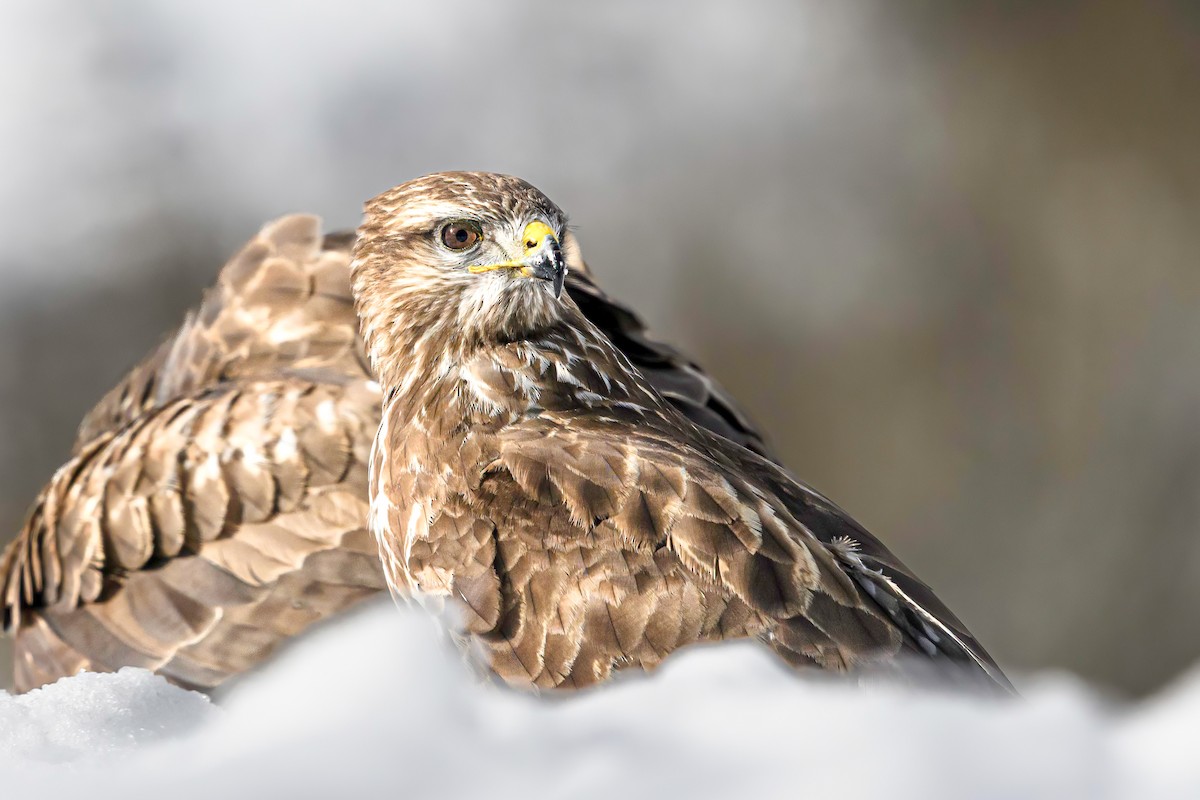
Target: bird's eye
x,y
460,235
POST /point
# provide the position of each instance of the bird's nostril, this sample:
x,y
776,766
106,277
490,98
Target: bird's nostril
x,y
530,244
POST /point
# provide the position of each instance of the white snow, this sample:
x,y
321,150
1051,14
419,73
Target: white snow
x,y
377,707
93,715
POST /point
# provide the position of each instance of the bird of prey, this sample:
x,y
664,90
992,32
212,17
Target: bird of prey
x,y
215,503
526,468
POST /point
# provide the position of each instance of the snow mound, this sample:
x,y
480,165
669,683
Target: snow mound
x,y
376,707
95,715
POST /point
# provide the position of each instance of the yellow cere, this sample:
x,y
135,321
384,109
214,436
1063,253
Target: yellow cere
x,y
535,234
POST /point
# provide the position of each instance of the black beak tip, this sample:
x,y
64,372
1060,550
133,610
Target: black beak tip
x,y
550,267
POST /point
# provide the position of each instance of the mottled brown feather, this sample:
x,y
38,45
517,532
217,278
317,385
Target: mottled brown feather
x,y
215,502
161,544
618,529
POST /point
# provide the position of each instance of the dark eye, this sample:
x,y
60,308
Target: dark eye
x,y
460,235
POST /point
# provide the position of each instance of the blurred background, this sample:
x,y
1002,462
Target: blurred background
x,y
946,253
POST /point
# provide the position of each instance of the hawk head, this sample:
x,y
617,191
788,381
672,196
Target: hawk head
x,y
482,253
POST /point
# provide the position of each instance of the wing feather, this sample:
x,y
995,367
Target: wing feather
x,y
215,503
751,537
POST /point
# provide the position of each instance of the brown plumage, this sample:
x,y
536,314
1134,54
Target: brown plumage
x,y
527,469
215,503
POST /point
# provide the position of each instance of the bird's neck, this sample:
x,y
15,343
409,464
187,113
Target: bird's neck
x,y
567,368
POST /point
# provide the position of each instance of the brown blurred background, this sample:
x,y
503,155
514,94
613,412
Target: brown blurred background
x,y
948,254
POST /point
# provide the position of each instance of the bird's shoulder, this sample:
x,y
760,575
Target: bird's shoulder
x,y
694,392
281,304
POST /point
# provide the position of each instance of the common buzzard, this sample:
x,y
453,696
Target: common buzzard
x,y
215,503
526,468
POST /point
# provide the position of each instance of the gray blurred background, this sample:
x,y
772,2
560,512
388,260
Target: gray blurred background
x,y
947,254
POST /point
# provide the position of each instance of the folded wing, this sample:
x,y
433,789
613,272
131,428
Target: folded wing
x,y
215,502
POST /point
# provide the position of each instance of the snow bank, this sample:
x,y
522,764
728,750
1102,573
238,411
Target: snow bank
x,y
95,715
377,708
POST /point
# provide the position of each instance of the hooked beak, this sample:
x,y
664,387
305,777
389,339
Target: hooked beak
x,y
543,258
